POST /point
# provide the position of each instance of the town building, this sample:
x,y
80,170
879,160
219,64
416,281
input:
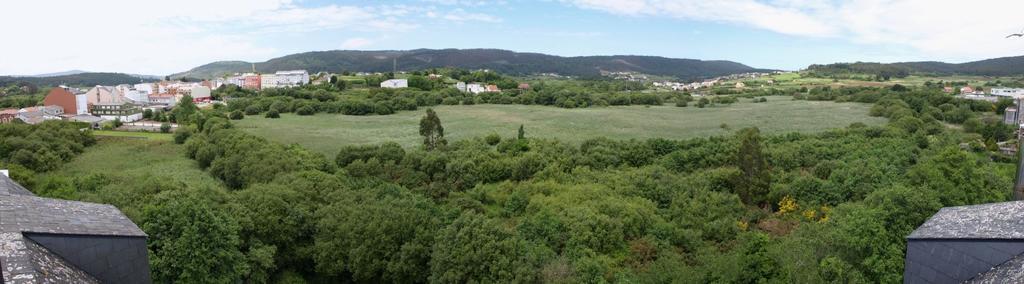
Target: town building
x,y
8,115
67,99
124,111
35,115
475,88
395,84
1008,92
103,94
46,240
966,90
163,99
200,94
293,78
251,81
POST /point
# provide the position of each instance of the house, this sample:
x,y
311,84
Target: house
x,y
461,86
966,90
948,90
8,115
47,240
968,244
740,85
475,88
67,99
395,84
493,89
35,115
523,86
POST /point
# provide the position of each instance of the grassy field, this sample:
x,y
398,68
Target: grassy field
x,y
137,158
138,135
328,132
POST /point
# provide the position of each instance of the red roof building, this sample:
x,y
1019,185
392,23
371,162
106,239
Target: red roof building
x,y
63,98
8,115
493,88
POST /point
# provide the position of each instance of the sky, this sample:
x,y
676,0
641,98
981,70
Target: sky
x,y
164,37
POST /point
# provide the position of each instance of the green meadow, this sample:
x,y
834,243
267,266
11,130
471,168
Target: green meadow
x,y
326,133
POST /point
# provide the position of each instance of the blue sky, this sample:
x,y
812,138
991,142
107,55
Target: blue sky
x,y
161,37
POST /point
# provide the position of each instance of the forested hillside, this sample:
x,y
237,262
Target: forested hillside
x,y
1005,66
741,208
81,79
494,59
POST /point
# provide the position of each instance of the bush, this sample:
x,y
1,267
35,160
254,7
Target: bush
x,y
253,110
236,115
306,110
272,114
681,103
182,134
492,139
165,128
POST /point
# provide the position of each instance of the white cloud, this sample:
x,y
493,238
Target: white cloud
x,y
160,37
954,30
460,15
356,43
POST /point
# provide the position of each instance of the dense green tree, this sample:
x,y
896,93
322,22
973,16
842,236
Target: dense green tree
x,y
750,159
192,239
432,131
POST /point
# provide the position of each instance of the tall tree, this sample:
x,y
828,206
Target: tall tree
x,y
432,131
755,178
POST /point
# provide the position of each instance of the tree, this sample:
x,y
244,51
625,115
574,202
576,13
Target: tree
x,y
474,249
756,178
522,133
191,239
165,127
182,133
184,110
117,122
147,114
432,131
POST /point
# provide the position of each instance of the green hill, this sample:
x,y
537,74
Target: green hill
x,y
504,61
1004,66
81,79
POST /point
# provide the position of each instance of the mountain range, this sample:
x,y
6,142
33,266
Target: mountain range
x,y
1003,66
504,61
78,79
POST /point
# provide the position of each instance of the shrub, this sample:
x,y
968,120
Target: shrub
x,y
492,139
253,110
165,128
272,114
182,134
306,110
236,115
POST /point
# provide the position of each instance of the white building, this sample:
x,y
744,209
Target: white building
x,y
475,88
395,84
1008,92
146,88
292,78
461,86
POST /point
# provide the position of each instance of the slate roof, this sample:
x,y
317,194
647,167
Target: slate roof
x,y
1011,271
9,187
22,260
987,221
